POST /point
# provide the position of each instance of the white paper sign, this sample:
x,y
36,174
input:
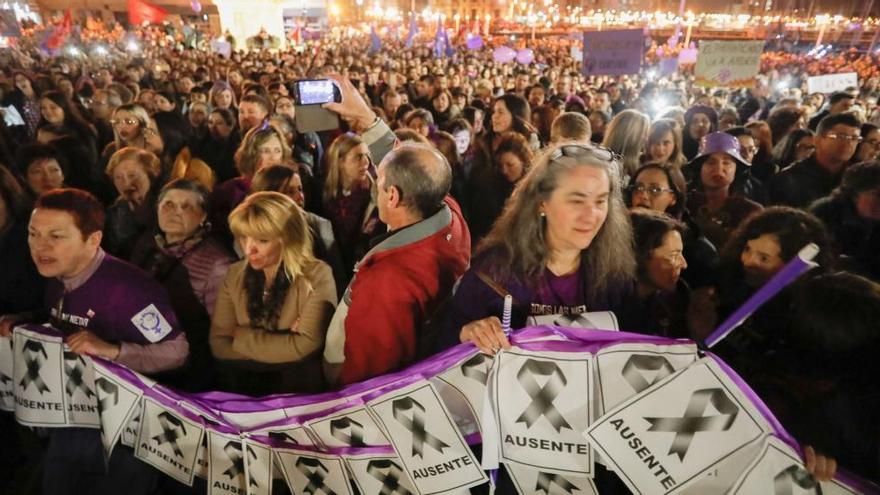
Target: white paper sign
x,y
7,389
732,64
463,388
132,427
258,468
116,401
310,472
530,481
39,394
169,442
348,428
832,82
226,467
296,435
778,469
597,320
624,370
543,402
678,429
379,474
426,439
79,386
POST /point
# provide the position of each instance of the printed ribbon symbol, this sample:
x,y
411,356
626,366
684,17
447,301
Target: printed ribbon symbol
x,y
782,482
573,320
172,427
475,368
74,367
233,452
389,473
542,397
355,435
638,363
547,480
34,357
693,420
416,425
282,437
315,472
108,393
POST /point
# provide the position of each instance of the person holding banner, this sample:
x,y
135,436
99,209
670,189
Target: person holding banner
x,y
563,245
274,306
106,308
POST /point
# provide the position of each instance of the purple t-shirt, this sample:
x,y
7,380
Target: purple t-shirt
x,y
118,303
559,295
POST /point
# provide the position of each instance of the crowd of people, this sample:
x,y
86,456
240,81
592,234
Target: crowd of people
x,y
163,210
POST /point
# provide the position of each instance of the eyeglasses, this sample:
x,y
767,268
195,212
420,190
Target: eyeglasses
x,y
750,150
872,142
675,259
115,122
652,190
844,137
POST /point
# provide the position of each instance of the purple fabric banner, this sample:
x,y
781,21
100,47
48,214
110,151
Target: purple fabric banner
x,y
613,53
789,273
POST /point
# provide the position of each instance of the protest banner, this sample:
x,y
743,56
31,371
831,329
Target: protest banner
x,y
468,378
675,431
312,472
613,53
830,83
117,399
731,64
348,427
379,473
426,440
168,440
530,481
541,416
38,374
9,26
778,469
7,389
226,473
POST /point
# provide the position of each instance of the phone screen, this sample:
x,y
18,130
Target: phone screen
x,y
315,92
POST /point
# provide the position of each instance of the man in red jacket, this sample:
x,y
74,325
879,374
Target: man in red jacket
x,y
410,271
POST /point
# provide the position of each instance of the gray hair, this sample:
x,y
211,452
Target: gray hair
x,y
422,176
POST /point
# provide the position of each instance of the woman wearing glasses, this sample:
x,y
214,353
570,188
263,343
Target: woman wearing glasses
x,y
563,245
131,127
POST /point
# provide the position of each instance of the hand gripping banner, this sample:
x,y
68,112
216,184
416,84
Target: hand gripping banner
x,y
695,421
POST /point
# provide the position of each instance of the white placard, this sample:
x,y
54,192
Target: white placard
x,y
832,82
38,375
116,401
168,441
353,427
543,401
426,439
534,482
7,371
463,388
311,472
674,432
374,473
226,471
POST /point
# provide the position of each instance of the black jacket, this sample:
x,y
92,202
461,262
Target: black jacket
x,y
801,184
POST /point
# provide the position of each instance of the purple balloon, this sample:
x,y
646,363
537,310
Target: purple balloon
x,y
687,56
504,54
196,6
474,42
525,56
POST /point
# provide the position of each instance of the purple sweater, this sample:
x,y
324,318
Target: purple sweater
x,y
120,303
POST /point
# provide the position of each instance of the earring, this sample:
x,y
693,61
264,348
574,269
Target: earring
x,y
543,215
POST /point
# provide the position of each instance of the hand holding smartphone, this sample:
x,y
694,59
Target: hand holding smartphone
x,y
309,95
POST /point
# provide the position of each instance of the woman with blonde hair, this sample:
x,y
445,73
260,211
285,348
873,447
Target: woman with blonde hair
x,y
626,135
261,147
135,174
274,306
131,127
347,198
563,245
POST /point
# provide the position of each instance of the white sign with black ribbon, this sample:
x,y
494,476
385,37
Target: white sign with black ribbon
x,y
530,481
259,468
379,474
596,320
348,428
117,399
425,437
294,434
624,370
168,441
7,388
79,387
40,399
226,470
778,469
675,431
543,401
463,388
313,473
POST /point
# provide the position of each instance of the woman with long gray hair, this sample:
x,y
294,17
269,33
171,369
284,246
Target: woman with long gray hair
x,y
563,245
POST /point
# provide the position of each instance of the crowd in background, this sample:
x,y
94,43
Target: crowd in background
x,y
286,261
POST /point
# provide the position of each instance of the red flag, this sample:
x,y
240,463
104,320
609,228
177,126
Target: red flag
x,y
61,32
295,36
140,11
